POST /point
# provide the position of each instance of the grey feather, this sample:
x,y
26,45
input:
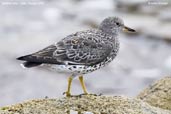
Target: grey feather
x,y
89,48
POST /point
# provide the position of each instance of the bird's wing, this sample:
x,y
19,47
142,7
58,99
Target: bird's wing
x,y
43,56
81,49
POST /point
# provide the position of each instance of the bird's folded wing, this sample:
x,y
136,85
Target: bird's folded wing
x,y
43,56
73,50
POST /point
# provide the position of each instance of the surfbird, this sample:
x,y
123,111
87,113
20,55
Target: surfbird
x,y
82,52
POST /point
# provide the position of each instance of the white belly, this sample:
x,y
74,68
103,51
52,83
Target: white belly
x,y
71,69
76,69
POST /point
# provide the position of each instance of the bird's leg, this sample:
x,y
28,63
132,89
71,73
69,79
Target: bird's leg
x,y
68,93
83,85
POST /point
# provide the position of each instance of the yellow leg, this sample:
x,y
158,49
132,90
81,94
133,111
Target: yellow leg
x,y
68,92
83,85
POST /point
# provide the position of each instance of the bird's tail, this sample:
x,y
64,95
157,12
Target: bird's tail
x,y
30,64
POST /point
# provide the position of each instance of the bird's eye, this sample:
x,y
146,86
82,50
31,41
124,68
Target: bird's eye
x,y
118,24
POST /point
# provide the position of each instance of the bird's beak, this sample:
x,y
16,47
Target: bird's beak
x,y
127,29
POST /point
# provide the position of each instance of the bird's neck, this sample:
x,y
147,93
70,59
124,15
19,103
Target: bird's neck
x,y
110,32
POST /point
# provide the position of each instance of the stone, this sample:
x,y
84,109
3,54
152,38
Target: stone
x,y
158,94
155,99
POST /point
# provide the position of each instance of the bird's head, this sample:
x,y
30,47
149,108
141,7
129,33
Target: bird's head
x,y
113,25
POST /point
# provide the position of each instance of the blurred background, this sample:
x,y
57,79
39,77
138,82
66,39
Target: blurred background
x,y
27,26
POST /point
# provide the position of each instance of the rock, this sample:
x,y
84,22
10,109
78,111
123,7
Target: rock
x,y
84,103
156,99
158,94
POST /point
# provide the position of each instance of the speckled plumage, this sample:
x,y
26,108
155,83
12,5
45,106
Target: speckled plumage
x,y
85,51
81,52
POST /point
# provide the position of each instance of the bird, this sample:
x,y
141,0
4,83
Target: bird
x,y
81,52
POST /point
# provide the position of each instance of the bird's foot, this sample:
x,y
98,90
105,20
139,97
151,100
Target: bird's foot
x,y
68,94
84,94
93,94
